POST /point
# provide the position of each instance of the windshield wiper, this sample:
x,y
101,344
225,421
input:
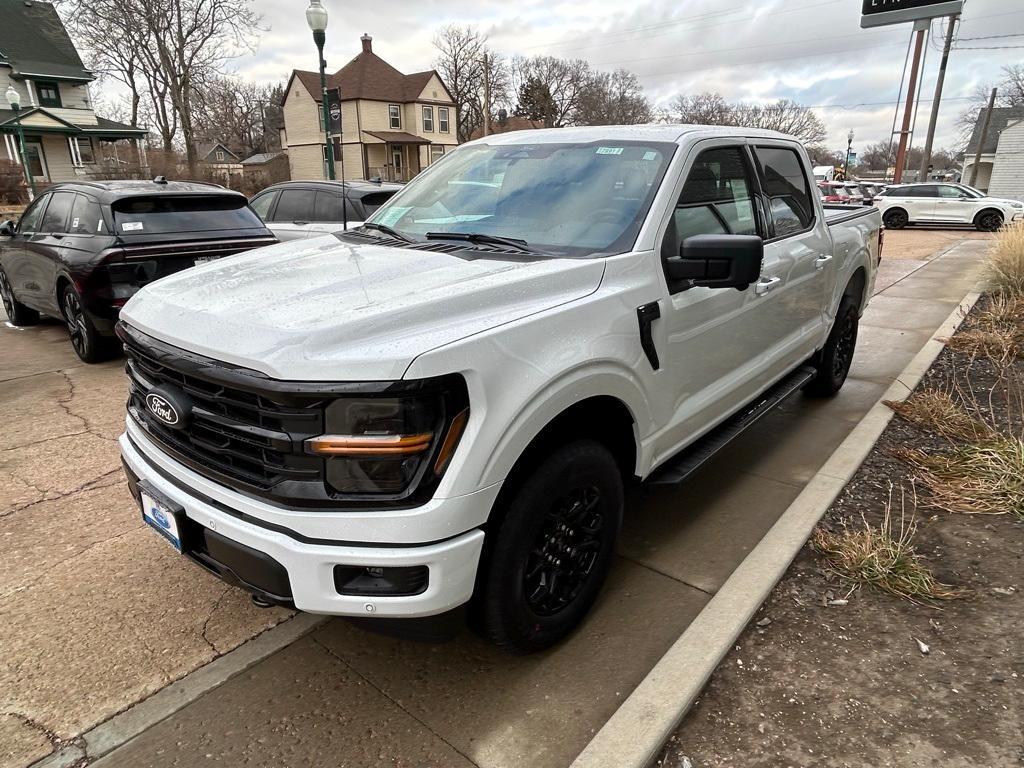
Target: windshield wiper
x,y
387,231
483,237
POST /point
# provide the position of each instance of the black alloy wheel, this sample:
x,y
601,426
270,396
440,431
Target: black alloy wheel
x,y
87,342
545,562
989,221
895,219
834,360
17,313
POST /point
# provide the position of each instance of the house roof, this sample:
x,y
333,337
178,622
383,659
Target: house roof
x,y
261,157
397,137
368,76
34,42
205,149
511,123
103,129
1001,117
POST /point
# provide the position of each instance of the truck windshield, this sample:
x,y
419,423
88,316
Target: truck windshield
x,y
559,199
182,213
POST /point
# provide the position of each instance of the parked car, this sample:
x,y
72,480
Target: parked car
x,y
444,406
836,192
857,195
869,191
294,210
944,203
83,248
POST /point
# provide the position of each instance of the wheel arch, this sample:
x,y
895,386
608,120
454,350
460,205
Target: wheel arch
x,y
893,208
989,209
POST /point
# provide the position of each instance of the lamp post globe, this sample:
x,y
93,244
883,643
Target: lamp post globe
x,y
13,97
316,16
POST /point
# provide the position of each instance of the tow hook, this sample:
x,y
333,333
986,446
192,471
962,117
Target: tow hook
x,y
260,602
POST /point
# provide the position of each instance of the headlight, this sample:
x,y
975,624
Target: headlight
x,y
1017,205
389,444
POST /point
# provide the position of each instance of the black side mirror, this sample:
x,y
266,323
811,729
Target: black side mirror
x,y
7,229
718,261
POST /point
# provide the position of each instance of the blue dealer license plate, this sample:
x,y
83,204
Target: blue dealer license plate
x,y
161,517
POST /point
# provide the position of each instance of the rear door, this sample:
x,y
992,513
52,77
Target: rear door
x,y
293,214
798,263
920,200
45,255
328,215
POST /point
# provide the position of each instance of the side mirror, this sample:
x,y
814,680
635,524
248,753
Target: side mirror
x,y
7,229
718,261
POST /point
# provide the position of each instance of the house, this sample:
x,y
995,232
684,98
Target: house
x,y
507,123
392,125
218,161
64,137
1001,168
266,168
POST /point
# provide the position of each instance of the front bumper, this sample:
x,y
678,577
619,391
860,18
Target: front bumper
x,y
309,564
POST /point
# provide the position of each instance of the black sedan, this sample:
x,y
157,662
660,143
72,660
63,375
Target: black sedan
x,y
82,249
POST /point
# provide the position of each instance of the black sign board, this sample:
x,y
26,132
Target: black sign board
x,y
877,13
334,111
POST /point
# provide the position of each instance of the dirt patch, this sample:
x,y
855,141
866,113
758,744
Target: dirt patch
x,y
816,682
921,243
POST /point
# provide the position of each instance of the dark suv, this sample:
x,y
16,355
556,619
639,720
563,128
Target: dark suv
x,y
83,248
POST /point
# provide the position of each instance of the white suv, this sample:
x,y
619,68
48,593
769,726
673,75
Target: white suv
x,y
945,203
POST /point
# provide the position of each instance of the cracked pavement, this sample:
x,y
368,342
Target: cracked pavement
x,y
96,612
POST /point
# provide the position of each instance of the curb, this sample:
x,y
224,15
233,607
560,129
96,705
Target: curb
x,y
635,734
125,726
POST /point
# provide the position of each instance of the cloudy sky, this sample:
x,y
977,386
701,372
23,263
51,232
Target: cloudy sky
x,y
809,50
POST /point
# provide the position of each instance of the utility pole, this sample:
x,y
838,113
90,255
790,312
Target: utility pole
x,y
487,96
984,135
927,158
901,152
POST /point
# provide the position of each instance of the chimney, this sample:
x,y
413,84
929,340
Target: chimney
x,y
367,43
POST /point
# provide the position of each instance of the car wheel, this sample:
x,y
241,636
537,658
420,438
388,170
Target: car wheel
x,y
988,221
87,342
895,219
553,549
17,312
834,360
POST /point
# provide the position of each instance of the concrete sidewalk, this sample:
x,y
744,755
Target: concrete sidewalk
x,y
344,696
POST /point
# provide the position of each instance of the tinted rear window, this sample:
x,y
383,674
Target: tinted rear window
x,y
375,200
184,213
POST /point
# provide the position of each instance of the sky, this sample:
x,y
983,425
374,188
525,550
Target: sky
x,y
812,51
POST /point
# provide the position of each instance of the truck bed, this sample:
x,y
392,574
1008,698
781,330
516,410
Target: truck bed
x,y
836,213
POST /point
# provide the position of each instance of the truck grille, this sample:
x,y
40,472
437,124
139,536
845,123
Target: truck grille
x,y
248,438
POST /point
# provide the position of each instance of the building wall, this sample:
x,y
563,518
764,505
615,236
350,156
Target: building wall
x,y
77,108
58,158
984,171
1008,169
305,162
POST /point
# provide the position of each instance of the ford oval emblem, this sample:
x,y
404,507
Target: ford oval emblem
x,y
163,409
161,518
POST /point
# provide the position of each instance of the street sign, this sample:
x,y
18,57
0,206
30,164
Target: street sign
x,y
334,110
878,13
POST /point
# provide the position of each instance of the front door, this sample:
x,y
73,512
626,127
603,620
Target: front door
x,y
396,162
954,205
36,160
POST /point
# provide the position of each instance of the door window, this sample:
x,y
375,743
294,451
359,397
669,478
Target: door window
x,y
716,198
949,193
295,205
86,217
328,207
921,191
785,184
30,219
261,204
56,217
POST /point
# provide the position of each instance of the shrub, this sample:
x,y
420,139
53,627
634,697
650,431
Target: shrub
x,y
1006,263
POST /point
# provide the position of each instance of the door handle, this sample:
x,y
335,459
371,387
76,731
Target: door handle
x,y
821,261
765,284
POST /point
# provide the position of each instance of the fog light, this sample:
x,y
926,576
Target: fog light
x,y
379,581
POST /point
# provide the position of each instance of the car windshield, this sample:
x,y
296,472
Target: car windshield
x,y
559,199
182,213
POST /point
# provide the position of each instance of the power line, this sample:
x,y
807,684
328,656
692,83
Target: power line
x,y
986,47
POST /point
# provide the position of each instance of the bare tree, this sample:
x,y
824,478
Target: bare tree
x,y
705,108
460,63
234,112
565,80
614,98
785,116
1010,94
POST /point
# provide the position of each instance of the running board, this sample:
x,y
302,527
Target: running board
x,y
687,461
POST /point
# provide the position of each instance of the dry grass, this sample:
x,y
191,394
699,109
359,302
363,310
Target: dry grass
x,y
996,332
1006,264
935,410
978,478
883,557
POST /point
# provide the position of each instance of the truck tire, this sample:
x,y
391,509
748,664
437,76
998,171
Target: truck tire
x,y
895,218
833,362
88,343
988,221
17,312
553,549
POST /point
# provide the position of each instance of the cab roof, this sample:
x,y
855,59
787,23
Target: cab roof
x,y
675,133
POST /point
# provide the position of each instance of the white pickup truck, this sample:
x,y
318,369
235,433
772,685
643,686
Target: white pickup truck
x,y
442,408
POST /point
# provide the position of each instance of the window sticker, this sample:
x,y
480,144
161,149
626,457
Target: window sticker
x,y
392,215
75,222
131,226
609,150
650,155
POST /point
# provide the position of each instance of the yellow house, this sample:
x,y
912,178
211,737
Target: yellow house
x,y
392,125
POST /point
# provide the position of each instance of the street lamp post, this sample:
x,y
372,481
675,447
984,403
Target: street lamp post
x,y
14,99
316,17
849,146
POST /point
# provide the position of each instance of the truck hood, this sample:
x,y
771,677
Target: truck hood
x,y
325,310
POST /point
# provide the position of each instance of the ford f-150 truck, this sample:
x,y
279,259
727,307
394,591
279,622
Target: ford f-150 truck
x,y
442,408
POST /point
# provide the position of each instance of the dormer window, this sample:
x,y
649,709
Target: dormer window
x,y
49,93
220,155
395,115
